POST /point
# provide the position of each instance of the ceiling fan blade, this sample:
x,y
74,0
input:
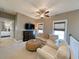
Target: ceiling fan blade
x,y
37,15
46,15
37,12
52,11
46,12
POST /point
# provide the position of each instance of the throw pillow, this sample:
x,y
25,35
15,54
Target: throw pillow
x,y
52,44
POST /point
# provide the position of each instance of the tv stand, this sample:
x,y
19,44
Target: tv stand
x,y
28,34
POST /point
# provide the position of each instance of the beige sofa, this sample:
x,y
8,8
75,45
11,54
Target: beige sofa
x,y
48,52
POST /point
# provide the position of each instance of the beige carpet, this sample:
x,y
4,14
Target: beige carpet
x,y
17,51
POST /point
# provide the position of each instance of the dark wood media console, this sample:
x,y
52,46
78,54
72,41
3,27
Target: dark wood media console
x,y
27,35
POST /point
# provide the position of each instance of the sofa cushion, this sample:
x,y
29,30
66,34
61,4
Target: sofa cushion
x,y
46,52
43,35
52,44
63,52
53,37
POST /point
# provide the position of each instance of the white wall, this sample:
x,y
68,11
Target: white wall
x,y
19,25
73,22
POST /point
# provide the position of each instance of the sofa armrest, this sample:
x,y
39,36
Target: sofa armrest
x,y
46,52
44,55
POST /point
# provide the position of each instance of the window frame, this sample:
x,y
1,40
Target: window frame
x,y
66,22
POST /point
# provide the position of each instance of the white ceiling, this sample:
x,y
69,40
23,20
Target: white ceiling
x,y
29,7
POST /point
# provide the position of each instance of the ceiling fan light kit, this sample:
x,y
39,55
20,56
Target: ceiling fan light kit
x,y
42,13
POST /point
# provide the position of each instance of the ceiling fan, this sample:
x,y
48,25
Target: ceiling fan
x,y
42,13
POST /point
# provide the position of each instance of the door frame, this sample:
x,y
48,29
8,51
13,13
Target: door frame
x,y
66,27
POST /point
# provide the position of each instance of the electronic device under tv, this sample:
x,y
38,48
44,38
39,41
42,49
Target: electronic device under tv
x,y
29,26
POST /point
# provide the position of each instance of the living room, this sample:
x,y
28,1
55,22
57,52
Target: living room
x,y
60,18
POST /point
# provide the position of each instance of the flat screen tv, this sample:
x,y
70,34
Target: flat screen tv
x,y
29,26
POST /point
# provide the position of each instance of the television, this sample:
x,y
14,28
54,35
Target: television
x,y
29,26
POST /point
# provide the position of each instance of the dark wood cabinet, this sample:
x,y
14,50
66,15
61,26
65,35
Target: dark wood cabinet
x,y
27,35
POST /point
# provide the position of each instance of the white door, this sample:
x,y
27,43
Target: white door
x,y
60,28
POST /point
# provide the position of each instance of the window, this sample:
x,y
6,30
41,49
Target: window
x,y
60,34
60,29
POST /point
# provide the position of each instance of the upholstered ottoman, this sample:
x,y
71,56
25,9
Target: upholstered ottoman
x,y
33,44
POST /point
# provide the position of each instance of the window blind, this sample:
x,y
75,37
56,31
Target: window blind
x,y
59,26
